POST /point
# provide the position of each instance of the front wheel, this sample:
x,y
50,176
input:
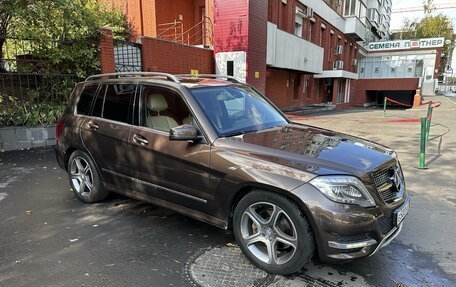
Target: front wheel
x,y
84,178
272,232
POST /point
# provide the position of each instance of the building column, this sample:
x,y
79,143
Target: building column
x,y
106,55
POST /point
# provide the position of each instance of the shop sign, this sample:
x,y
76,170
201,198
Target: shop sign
x,y
406,44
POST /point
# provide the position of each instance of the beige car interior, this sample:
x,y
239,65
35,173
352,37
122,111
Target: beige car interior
x,y
156,103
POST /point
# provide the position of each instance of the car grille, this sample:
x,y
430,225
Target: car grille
x,y
384,184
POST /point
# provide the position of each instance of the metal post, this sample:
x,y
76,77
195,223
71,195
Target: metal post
x,y
428,121
422,164
384,107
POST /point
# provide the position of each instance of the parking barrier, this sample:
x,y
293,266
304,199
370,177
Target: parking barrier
x,y
435,104
422,164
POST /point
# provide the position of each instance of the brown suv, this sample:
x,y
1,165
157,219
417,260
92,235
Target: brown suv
x,y
220,152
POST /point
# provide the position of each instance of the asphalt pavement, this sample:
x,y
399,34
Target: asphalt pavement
x,y
49,238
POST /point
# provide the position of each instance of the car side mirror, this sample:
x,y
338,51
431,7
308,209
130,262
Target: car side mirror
x,y
184,133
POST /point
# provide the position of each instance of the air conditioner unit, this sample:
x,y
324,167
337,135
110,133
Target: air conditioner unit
x,y
339,49
338,65
338,2
309,12
300,12
354,62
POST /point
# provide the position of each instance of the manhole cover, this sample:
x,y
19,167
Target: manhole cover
x,y
224,266
227,266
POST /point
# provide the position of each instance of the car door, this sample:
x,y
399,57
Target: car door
x,y
105,134
174,171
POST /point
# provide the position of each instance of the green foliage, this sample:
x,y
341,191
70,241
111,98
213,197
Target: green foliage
x,y
31,113
67,31
432,26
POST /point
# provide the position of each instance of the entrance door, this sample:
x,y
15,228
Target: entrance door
x,y
329,90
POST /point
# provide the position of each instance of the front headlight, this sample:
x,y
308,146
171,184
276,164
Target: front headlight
x,y
344,189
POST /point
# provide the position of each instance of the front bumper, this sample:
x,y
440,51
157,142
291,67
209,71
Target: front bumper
x,y
345,232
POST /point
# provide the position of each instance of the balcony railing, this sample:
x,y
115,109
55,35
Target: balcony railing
x,y
199,34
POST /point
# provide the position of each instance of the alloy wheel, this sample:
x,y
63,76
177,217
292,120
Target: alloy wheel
x,y
269,233
81,176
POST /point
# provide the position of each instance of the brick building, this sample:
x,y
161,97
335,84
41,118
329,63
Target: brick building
x,y
297,52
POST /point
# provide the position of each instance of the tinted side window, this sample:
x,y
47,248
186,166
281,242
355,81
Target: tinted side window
x,y
85,100
118,102
98,105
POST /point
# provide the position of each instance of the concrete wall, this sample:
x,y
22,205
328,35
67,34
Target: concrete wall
x,y
13,138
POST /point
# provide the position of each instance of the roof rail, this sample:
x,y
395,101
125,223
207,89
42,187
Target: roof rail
x,y
229,78
133,74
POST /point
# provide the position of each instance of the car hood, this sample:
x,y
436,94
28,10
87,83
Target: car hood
x,y
312,149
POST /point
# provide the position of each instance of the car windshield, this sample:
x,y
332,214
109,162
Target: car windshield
x,y
235,109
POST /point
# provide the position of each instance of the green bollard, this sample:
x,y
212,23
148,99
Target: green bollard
x,y
428,121
423,144
384,107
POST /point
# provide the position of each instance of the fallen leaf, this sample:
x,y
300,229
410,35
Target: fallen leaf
x,y
232,245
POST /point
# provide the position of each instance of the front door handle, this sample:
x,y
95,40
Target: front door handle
x,y
93,126
140,139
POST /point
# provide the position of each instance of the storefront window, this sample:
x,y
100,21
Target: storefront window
x,y
405,66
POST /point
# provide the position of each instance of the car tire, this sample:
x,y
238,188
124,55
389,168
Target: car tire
x,y
273,233
84,178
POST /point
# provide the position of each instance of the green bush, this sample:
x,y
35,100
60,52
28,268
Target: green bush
x,y
32,113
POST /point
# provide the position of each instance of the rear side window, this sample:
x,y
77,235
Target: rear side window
x,y
88,93
118,102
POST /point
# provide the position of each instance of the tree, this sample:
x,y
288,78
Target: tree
x,y
8,10
66,30
433,26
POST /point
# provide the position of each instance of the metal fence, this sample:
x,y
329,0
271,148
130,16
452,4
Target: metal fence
x,y
127,56
26,75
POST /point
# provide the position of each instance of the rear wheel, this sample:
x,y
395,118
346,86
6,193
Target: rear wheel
x,y
272,232
84,178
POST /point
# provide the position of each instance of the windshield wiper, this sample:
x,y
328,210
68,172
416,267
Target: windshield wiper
x,y
238,133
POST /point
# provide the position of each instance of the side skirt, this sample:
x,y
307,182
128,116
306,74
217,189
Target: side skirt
x,y
178,208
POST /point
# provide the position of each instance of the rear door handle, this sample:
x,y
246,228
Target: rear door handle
x,y
93,126
140,139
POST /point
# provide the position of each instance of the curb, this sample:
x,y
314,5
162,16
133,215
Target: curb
x,y
17,138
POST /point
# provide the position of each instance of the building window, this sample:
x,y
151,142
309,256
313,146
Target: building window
x,y
404,66
373,15
299,19
350,7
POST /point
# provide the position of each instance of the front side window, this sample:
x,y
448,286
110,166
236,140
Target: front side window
x,y
236,109
163,109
